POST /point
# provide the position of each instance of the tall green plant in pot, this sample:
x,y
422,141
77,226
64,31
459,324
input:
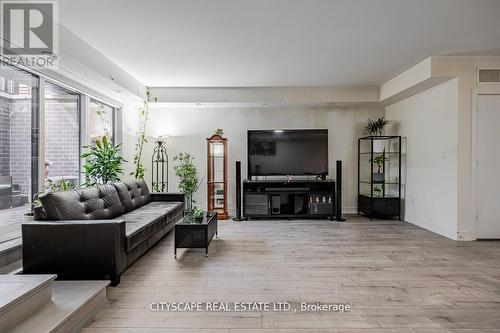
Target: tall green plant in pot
x,y
139,169
103,163
188,177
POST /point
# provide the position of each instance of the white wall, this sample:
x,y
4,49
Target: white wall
x,y
428,123
190,126
465,69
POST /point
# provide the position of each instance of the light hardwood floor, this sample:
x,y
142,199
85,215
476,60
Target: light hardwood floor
x,y
397,277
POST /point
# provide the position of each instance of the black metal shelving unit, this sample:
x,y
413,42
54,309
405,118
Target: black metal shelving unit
x,y
379,176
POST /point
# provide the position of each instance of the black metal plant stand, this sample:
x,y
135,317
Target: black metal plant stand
x,y
159,168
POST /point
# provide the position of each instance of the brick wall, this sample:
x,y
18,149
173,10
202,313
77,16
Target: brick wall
x,y
5,109
62,139
20,143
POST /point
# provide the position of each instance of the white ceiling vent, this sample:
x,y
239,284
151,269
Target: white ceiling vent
x,y
488,76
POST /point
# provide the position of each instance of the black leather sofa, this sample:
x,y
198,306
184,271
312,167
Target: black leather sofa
x,y
97,232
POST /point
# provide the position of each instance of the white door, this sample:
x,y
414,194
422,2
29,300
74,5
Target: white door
x,y
488,167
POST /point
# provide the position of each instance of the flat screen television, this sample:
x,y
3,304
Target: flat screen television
x,y
287,152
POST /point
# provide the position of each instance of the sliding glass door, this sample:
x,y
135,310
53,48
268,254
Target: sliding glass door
x,y
19,130
61,134
18,136
27,161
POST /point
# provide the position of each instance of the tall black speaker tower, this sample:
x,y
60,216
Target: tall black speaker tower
x,y
238,192
338,194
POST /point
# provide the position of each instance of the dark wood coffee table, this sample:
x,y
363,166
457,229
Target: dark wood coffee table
x,y
190,233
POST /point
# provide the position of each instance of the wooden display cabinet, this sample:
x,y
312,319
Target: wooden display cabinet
x,y
217,175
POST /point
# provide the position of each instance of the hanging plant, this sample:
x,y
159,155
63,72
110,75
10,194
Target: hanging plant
x,y
140,170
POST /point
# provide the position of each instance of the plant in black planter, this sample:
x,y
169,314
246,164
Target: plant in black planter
x,y
375,127
379,177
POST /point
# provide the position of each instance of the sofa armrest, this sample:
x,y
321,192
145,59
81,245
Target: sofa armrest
x,y
75,249
163,196
39,213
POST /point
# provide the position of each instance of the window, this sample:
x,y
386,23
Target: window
x,y
61,134
100,121
18,148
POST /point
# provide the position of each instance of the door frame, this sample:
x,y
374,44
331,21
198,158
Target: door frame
x,y
490,89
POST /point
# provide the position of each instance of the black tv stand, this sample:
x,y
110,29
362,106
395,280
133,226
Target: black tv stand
x,y
290,199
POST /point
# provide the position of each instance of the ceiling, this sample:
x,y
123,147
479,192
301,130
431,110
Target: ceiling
x,y
264,43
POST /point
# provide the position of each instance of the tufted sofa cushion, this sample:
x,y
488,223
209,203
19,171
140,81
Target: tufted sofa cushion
x,y
144,222
100,202
133,194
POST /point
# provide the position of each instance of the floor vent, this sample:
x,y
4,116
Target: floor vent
x,y
489,76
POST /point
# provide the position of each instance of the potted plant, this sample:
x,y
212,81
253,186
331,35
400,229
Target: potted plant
x,y
375,127
103,163
197,214
188,177
379,177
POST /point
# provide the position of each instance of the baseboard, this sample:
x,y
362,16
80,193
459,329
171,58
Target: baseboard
x,y
466,236
431,226
349,210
